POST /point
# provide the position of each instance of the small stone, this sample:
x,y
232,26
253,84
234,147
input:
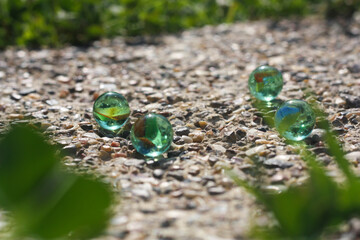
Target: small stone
x,y
63,79
202,124
115,144
134,162
240,133
255,150
111,111
142,193
280,161
212,160
182,131
15,96
230,136
187,139
106,148
158,173
86,126
154,97
265,83
118,155
188,193
197,136
16,116
351,101
178,175
355,68
51,102
295,120
104,155
194,170
353,157
216,190
70,150
301,76
218,148
26,92
151,135
339,101
315,136
176,153
177,194
64,93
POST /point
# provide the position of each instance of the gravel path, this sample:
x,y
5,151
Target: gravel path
x,y
198,80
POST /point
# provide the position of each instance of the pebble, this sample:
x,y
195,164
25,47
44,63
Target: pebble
x,y
134,162
64,93
115,144
281,161
25,92
187,139
315,136
15,96
70,150
106,148
104,155
218,148
255,150
194,170
158,173
142,193
353,157
182,131
197,136
16,116
86,126
216,190
202,124
178,175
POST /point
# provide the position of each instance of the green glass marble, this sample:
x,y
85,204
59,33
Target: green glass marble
x,y
265,83
111,111
295,120
151,135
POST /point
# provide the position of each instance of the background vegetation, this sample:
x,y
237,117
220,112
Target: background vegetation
x,y
35,23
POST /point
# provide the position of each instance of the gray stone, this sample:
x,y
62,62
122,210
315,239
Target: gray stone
x,y
281,161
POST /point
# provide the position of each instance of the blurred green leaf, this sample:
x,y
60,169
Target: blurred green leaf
x,y
25,160
45,201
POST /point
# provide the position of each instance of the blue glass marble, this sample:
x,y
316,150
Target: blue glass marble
x,y
295,120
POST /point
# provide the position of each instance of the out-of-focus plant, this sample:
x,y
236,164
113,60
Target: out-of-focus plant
x,y
44,201
38,23
306,211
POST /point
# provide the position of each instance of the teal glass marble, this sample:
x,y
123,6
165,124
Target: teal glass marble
x,y
295,120
111,111
151,135
265,83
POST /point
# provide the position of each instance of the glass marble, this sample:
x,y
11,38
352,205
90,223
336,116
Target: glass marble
x,y
265,83
111,111
295,120
151,135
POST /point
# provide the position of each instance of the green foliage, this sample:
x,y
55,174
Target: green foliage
x,y
305,212
46,202
52,23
